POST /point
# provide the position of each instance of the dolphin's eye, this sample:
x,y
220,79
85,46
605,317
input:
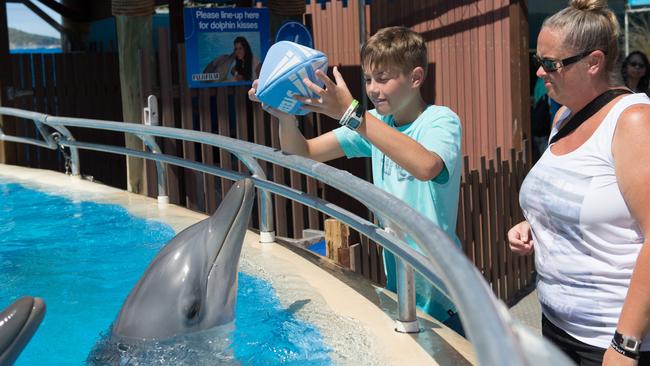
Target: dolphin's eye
x,y
193,311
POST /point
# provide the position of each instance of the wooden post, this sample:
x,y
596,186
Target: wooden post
x,y
337,242
134,26
7,149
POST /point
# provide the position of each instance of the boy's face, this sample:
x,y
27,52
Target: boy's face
x,y
389,88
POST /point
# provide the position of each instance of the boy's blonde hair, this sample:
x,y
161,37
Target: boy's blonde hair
x,y
395,47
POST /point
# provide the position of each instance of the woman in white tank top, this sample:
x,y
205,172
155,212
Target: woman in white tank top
x,y
587,200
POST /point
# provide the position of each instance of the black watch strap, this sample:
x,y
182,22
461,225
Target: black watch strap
x,y
626,345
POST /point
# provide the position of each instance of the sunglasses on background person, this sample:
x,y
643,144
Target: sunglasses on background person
x,y
639,65
551,64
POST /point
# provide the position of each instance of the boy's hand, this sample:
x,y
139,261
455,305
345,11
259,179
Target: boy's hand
x,y
520,238
274,112
335,98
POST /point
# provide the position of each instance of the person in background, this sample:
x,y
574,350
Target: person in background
x,y
587,200
635,72
414,146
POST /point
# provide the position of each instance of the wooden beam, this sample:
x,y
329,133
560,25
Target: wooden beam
x,y
134,35
48,19
65,11
7,149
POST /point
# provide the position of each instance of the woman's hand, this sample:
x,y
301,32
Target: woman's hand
x,y
334,99
520,238
613,358
274,112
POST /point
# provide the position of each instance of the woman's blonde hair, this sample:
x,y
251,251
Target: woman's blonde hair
x,y
589,25
395,47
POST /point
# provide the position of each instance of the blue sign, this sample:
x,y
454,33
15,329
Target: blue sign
x,y
225,46
295,32
638,2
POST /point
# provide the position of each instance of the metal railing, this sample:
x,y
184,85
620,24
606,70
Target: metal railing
x,y
498,339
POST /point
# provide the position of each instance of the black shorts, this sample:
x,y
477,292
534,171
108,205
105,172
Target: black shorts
x,y
581,353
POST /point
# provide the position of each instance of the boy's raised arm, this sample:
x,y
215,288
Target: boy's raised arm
x,y
322,148
403,150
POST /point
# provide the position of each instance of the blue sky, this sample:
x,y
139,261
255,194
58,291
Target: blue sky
x,y
22,18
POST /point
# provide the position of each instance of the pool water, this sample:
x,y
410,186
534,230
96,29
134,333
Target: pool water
x,y
83,258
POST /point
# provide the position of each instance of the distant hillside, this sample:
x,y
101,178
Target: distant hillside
x,y
20,39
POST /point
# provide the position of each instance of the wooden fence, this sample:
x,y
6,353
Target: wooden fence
x,y
73,85
84,85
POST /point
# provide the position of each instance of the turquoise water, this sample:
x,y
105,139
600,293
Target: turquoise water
x,y
83,258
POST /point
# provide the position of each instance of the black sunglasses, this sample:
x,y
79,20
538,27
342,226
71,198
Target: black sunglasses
x,y
550,64
636,64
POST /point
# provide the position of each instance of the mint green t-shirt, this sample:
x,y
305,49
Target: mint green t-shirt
x,y
438,130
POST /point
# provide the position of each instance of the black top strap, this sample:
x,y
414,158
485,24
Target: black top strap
x,y
588,111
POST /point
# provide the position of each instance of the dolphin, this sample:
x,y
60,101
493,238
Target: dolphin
x,y
191,284
220,66
18,323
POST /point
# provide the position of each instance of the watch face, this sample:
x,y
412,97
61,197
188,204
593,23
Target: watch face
x,y
630,344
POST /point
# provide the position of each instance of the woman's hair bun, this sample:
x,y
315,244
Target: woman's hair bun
x,y
588,5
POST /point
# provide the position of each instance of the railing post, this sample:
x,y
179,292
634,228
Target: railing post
x,y
406,321
406,317
267,234
150,118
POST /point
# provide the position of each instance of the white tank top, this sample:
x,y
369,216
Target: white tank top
x,y
586,240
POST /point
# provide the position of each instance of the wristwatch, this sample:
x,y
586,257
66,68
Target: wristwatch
x,y
356,118
626,345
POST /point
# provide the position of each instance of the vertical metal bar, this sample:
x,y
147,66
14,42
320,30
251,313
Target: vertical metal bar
x,y
150,117
406,321
267,234
405,292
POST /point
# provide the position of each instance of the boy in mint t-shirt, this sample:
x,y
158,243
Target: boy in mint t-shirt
x,y
414,146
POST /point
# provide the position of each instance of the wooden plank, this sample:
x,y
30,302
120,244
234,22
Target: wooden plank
x,y
476,218
381,270
144,73
40,105
223,126
68,85
241,108
355,257
50,86
279,202
374,262
508,193
313,216
39,83
501,226
28,104
365,257
22,151
170,146
337,236
207,153
191,182
298,222
51,157
491,216
95,62
460,217
79,71
468,211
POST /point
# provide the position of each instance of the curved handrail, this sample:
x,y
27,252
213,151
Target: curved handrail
x,y
486,321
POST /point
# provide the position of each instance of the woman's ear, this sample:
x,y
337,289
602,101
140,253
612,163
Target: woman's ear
x,y
596,61
417,76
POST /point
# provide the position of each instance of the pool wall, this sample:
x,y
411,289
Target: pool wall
x,y
354,317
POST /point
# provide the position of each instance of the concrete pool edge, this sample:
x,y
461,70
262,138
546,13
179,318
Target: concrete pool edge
x,y
359,319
